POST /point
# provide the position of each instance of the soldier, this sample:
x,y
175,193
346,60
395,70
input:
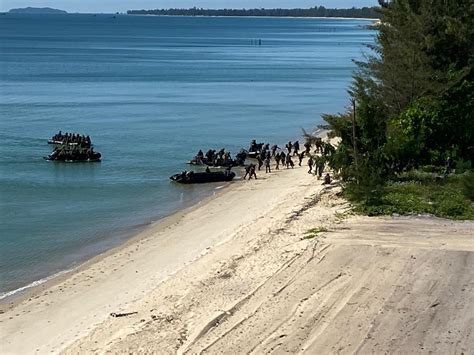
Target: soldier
x,y
221,153
260,161
199,158
319,145
253,146
283,158
250,171
274,149
296,148
267,165
277,160
310,164
320,167
240,157
210,155
300,158
307,147
327,179
448,166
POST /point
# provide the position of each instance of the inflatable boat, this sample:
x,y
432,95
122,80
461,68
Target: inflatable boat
x,y
191,177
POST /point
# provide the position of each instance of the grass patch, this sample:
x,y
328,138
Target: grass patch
x,y
342,215
314,232
418,192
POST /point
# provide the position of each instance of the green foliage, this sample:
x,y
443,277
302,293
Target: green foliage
x,y
341,162
431,169
314,232
318,11
409,134
455,127
422,194
468,185
414,97
463,166
369,180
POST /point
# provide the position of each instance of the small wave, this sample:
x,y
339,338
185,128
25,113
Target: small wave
x,y
33,284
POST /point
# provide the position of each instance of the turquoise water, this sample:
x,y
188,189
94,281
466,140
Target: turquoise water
x,y
150,91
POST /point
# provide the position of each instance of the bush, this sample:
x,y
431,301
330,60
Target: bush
x,y
468,185
432,169
463,166
418,193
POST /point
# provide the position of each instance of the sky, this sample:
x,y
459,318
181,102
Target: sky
x,y
124,5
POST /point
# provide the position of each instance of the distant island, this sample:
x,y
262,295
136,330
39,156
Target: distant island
x,y
318,11
37,10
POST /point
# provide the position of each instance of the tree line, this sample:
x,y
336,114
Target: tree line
x,y
319,11
412,98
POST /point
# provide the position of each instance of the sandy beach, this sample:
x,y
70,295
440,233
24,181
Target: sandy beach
x,y
239,273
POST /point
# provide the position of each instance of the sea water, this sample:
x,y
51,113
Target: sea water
x,y
150,91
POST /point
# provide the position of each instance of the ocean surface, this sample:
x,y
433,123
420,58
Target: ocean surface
x,y
151,92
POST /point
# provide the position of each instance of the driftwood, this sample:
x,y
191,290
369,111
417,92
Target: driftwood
x,y
117,315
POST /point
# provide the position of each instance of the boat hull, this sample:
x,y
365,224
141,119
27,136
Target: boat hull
x,y
92,159
205,162
202,178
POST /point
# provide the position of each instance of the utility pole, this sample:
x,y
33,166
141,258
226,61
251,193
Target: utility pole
x,y
354,133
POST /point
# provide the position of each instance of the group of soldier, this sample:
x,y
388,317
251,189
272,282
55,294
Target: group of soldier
x,y
72,147
72,138
219,158
265,154
284,157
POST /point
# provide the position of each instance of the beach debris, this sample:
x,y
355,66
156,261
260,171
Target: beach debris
x,y
117,315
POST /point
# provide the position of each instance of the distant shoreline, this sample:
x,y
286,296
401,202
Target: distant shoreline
x,y
269,17
317,11
199,16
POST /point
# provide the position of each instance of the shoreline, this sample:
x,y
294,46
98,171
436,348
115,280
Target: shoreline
x,y
100,281
200,16
283,250
292,17
10,299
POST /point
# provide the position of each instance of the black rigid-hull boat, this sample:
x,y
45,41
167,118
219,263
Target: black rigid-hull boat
x,y
69,158
191,177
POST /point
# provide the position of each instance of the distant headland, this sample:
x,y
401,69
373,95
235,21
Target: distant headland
x,y
318,11
37,10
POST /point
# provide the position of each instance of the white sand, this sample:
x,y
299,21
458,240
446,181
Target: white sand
x,y
235,275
